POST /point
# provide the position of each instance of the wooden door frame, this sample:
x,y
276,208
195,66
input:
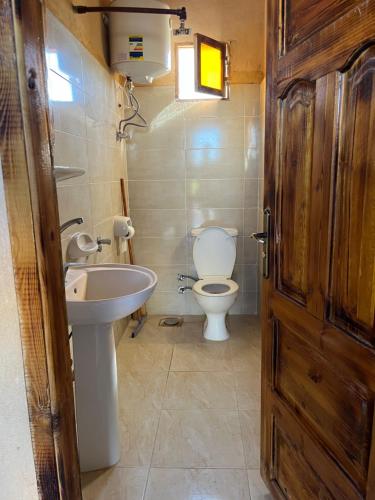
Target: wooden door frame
x,y
31,201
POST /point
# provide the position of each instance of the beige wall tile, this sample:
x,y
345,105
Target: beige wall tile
x,y
250,221
252,132
214,133
101,201
85,138
159,222
70,150
204,193
160,251
63,52
220,153
157,194
167,303
214,163
251,193
154,164
233,107
68,116
160,134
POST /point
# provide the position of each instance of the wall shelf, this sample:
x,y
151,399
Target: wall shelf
x,y
64,173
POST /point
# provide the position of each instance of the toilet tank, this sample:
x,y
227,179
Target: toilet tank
x,y
140,43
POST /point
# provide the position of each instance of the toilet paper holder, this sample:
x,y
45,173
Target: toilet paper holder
x,y
123,227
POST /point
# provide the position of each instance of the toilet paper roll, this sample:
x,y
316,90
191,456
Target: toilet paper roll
x,y
130,234
121,226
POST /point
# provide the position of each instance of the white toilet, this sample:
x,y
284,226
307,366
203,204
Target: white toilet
x,y
214,255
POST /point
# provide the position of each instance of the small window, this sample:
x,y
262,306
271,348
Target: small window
x,y
195,80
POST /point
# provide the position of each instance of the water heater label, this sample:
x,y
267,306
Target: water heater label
x,y
136,47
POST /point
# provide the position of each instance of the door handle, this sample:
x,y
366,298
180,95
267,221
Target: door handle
x,y
260,237
263,238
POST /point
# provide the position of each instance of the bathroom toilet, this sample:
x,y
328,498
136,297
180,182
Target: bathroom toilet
x,y
214,255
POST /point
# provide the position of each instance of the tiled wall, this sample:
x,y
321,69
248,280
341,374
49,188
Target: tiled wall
x,y
85,99
197,164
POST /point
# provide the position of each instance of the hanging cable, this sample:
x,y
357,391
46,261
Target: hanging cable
x,y
133,104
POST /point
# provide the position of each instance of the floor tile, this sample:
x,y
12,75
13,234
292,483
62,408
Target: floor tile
x,y
197,484
250,429
198,438
115,484
137,431
140,357
201,357
248,389
258,489
195,390
143,390
151,333
245,357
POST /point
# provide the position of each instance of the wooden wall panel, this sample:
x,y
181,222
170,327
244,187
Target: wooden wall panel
x,y
353,262
296,128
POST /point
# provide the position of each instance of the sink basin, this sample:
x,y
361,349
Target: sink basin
x,y
96,296
104,293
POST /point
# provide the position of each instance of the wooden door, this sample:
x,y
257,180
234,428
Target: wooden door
x,y
318,353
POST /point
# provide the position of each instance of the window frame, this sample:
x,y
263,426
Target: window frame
x,y
200,39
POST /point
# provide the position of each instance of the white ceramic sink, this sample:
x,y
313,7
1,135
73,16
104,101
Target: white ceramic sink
x,y
104,293
96,296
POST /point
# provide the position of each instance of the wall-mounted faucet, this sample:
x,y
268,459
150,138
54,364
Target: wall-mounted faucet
x,y
67,265
71,222
182,289
102,241
182,277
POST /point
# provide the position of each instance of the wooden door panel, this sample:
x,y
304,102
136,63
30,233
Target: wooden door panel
x,y
296,129
329,47
301,18
353,262
301,470
338,408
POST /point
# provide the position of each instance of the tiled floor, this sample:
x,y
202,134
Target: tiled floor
x,y
189,413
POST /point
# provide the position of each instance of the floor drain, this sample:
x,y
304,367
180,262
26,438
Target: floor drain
x,y
171,321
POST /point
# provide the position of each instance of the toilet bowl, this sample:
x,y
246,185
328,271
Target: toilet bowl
x,y
214,255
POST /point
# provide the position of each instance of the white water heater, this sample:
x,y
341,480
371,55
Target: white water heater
x,y
140,43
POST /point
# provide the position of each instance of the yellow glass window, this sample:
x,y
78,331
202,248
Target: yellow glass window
x,y
210,65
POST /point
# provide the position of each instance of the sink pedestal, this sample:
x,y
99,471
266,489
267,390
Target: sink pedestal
x,y
96,396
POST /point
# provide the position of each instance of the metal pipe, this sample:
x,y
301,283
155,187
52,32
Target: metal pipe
x,y
182,289
83,9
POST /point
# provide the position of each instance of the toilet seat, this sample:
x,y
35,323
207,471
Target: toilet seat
x,y
202,286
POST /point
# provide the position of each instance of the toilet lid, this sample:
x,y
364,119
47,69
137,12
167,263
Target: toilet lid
x,y
214,253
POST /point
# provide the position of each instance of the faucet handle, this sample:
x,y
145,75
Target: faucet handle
x,y
102,241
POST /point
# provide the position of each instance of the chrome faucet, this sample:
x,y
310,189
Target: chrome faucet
x,y
182,277
67,265
71,222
